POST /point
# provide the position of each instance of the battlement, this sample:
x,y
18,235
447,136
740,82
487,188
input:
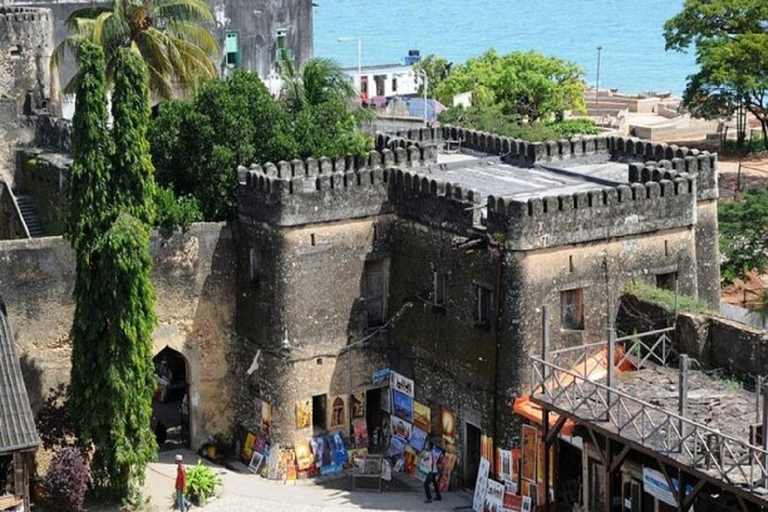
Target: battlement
x,y
540,222
14,14
701,165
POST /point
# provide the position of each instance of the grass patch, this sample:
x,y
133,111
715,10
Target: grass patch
x,y
666,298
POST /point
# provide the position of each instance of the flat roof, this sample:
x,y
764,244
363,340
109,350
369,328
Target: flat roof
x,y
377,67
493,176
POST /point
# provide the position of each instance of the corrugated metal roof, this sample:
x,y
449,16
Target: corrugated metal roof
x,y
17,425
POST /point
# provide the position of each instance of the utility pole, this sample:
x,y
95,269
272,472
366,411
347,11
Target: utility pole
x,y
597,86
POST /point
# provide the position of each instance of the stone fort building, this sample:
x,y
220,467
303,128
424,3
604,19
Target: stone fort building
x,y
440,270
337,268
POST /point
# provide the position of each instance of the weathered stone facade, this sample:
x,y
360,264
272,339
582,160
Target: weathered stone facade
x,y
524,226
194,274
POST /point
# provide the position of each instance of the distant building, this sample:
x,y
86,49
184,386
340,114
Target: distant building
x,y
384,81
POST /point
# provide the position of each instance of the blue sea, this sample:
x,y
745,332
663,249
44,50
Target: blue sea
x,y
630,32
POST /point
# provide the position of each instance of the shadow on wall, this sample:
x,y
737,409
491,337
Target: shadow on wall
x,y
33,380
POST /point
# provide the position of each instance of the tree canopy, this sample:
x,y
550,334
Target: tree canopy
x,y
730,38
111,197
436,68
743,229
198,144
527,85
170,35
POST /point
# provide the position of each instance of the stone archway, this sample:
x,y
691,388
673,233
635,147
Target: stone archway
x,y
171,401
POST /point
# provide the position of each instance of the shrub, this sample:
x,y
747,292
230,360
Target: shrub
x,y
66,482
53,421
201,483
574,127
666,298
173,212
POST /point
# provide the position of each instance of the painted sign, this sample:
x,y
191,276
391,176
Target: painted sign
x,y
381,378
655,484
481,486
401,383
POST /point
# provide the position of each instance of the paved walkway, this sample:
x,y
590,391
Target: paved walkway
x,y
246,492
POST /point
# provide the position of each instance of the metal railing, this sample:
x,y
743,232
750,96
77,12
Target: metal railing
x,y
690,443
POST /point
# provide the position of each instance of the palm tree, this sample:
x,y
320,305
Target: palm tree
x,y
320,80
170,35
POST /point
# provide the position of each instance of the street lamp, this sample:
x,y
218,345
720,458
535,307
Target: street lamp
x,y
347,39
597,86
424,77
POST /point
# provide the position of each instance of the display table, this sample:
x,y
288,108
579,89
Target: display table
x,y
367,467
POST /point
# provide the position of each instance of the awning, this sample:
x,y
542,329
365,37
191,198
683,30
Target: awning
x,y
532,412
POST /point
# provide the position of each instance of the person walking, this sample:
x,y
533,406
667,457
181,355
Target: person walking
x,y
181,484
430,463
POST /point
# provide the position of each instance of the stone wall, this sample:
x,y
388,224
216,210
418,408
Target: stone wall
x,y
194,277
44,176
716,343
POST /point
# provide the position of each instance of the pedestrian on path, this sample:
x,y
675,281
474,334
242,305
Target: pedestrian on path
x,y
430,462
181,483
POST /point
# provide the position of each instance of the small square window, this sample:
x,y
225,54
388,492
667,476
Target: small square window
x,y
482,306
254,265
438,289
572,309
666,281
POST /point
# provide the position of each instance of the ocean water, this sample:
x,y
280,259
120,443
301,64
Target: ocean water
x,y
630,32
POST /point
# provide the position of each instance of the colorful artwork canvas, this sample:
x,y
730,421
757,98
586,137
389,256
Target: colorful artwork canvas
x,y
340,455
358,406
360,429
411,461
304,413
401,383
481,485
510,496
422,416
494,497
446,464
396,446
529,453
403,405
381,378
260,444
304,457
273,463
257,463
247,450
338,416
400,427
418,439
448,425
505,465
386,400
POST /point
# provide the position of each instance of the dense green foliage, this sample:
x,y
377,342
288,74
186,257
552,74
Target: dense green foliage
x,y
198,144
202,482
743,228
133,182
318,81
175,211
170,35
525,85
112,377
731,42
490,119
437,70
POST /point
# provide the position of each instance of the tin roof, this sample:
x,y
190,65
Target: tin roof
x,y
17,425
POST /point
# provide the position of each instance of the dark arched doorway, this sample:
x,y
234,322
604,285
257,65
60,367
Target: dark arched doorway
x,y
170,405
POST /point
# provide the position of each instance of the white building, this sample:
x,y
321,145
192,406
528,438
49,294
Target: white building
x,y
385,81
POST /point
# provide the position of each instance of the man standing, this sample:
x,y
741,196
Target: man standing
x,y
181,484
430,461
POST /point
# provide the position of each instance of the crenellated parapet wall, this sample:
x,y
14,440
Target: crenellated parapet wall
x,y
322,190
421,137
701,165
604,213
53,133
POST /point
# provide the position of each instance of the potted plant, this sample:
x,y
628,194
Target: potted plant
x,y
202,482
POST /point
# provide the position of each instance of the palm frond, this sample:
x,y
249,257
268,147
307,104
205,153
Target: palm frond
x,y
183,10
196,34
86,13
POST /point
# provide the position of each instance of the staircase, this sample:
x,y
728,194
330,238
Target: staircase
x,y
29,213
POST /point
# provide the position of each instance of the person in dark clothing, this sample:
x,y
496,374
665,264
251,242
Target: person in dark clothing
x,y
161,433
430,462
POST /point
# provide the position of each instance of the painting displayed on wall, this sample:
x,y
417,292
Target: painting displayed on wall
x,y
401,383
266,417
381,378
505,465
411,461
403,405
273,463
486,448
448,425
340,455
358,406
304,456
529,453
422,416
360,430
418,438
494,496
246,452
386,400
304,413
400,427
260,444
396,446
446,465
337,413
